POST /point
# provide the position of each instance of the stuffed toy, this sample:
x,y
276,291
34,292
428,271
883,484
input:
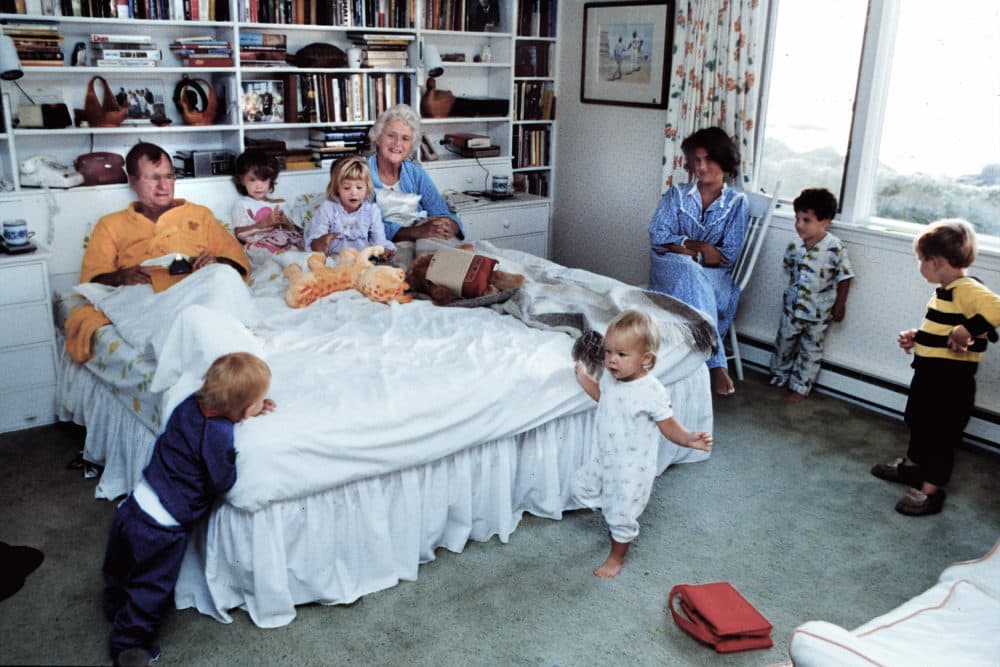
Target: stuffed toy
x,y
353,270
454,273
384,284
302,289
588,350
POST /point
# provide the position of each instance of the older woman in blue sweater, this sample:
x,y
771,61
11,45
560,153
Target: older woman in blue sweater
x,y
394,135
696,235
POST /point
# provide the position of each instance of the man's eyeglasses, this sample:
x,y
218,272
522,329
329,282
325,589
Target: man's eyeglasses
x,y
159,178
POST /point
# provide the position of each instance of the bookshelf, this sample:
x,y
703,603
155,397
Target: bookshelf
x,y
497,49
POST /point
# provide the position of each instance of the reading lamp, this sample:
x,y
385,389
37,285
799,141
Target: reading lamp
x,y
432,61
10,65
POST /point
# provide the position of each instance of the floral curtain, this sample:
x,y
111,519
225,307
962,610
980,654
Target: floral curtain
x,y
718,48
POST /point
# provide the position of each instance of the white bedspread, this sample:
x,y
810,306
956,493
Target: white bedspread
x,y
364,388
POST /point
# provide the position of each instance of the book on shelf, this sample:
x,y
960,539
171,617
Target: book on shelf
x,y
124,62
133,38
340,134
380,39
39,55
479,15
262,56
336,143
193,39
120,46
532,59
467,140
342,13
536,18
329,152
148,54
384,64
489,151
252,38
203,61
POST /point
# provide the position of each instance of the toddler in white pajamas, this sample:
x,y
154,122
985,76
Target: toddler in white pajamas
x,y
633,411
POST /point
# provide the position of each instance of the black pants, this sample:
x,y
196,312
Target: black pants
x,y
942,396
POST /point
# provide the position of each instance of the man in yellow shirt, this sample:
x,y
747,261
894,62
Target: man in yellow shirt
x,y
154,225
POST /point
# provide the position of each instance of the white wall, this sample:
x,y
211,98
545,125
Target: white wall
x,y
607,186
608,166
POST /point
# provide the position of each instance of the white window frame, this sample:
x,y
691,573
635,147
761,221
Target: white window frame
x,y
859,182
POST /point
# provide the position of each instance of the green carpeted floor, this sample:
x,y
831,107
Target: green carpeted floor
x,y
785,510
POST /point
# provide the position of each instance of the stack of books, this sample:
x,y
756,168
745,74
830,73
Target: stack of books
x,y
133,50
37,44
203,51
275,147
328,144
300,158
382,51
263,49
534,100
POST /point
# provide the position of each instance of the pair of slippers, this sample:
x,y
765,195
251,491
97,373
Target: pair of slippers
x,y
915,502
18,563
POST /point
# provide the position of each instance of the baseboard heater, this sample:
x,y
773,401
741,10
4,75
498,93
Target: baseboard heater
x,y
871,392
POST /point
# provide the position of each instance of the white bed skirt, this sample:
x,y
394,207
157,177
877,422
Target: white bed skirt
x,y
335,546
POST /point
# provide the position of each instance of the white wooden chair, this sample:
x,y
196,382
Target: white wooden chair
x,y
761,209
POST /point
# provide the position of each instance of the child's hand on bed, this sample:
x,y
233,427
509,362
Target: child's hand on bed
x,y
700,440
322,243
269,406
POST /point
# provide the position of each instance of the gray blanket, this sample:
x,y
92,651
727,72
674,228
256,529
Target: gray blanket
x,y
576,301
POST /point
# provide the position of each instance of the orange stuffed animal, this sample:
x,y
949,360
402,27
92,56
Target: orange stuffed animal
x,y
353,269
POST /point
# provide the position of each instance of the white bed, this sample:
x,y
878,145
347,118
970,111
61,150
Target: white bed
x,y
399,429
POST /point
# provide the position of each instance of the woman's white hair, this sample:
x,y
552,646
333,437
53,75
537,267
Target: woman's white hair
x,y
400,112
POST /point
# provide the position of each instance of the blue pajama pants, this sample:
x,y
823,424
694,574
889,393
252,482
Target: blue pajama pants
x,y
798,352
141,565
710,290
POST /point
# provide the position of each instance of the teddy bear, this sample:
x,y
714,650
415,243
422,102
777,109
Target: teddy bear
x,y
353,270
480,278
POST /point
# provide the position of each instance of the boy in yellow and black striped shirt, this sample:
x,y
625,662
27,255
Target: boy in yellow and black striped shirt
x,y
961,317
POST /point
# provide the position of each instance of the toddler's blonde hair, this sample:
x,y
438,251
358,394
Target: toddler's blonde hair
x,y
354,168
953,239
233,382
634,322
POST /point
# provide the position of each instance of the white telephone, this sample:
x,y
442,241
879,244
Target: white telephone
x,y
44,171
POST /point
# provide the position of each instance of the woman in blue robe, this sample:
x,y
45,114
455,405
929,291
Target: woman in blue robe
x,y
696,235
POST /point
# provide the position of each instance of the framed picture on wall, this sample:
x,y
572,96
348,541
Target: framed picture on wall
x,y
627,50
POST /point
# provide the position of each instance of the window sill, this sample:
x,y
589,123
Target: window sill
x,y
892,235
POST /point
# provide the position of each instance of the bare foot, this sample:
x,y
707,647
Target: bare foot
x,y
610,568
722,384
795,397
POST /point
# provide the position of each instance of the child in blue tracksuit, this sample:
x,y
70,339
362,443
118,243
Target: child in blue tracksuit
x,y
819,277
193,462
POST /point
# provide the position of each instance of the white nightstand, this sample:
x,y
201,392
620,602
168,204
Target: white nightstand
x,y
27,342
519,223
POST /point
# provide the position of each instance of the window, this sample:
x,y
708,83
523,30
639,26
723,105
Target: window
x,y
902,123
